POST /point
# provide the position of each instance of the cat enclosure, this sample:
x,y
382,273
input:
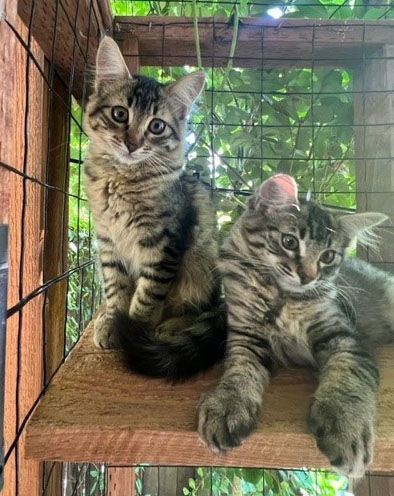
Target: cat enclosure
x,y
310,94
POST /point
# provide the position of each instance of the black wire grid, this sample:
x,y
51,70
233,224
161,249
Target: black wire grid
x,y
80,275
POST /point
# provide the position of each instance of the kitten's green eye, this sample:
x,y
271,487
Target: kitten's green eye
x,y
327,256
120,114
289,242
157,126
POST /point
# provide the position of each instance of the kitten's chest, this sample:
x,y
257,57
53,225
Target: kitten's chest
x,y
114,210
291,338
121,215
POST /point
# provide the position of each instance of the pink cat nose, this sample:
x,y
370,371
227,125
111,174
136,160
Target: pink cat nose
x,y
307,275
131,145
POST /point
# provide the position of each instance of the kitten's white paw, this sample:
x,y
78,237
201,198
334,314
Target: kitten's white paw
x,y
103,332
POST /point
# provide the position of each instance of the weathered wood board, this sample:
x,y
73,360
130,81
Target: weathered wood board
x,y
97,411
170,41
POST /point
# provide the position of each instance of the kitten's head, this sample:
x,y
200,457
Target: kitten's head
x,y
302,243
134,120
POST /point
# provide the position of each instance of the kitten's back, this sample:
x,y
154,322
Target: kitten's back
x,y
371,292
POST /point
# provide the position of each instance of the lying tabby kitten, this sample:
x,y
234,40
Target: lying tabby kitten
x,y
154,224
295,299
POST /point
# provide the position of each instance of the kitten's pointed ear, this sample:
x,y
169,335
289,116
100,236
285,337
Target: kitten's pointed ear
x,y
360,225
278,190
188,88
110,64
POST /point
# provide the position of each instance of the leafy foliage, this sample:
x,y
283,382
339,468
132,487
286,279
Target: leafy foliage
x,y
258,482
250,124
83,285
307,9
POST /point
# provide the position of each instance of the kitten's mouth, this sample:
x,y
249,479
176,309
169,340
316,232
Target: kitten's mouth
x,y
134,157
290,284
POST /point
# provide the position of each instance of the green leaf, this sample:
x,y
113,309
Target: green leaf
x,y
253,475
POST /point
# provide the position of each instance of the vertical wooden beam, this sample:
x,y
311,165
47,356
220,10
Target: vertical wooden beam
x,y
55,246
56,240
183,476
105,17
121,481
374,175
24,343
374,485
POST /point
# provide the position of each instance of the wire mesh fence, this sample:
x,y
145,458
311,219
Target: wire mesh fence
x,y
324,116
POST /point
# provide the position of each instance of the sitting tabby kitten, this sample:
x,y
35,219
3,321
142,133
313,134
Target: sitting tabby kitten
x,y
306,304
154,224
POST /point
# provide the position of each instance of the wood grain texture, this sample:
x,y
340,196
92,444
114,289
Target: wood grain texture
x,y
55,245
283,42
24,338
56,239
121,481
130,49
68,33
374,485
95,410
374,107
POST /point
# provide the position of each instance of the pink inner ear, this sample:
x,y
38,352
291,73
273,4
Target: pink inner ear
x,y
280,188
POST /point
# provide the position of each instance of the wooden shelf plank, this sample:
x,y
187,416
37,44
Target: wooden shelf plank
x,y
282,42
96,411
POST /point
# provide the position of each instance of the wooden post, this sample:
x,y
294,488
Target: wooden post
x,y
375,147
374,485
56,240
24,337
55,246
121,481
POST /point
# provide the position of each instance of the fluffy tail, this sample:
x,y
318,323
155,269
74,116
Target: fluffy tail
x,y
183,355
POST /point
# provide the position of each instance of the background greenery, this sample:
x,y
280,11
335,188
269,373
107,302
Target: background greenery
x,y
307,9
222,481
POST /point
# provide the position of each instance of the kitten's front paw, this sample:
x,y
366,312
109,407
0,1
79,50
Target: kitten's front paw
x,y
344,433
225,419
103,332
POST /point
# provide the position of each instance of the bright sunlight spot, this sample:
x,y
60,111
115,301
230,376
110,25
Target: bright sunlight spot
x,y
275,12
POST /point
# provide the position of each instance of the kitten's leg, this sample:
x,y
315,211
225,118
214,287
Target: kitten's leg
x,y
117,286
231,412
342,411
152,288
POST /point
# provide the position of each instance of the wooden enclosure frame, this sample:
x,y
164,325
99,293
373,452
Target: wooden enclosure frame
x,y
146,41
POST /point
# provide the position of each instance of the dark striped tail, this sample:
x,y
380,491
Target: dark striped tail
x,y
186,353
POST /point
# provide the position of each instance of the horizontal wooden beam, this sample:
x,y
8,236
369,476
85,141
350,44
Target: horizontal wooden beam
x,y
96,411
170,41
68,33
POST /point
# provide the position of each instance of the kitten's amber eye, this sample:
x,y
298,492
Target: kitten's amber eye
x,y
289,242
327,256
120,114
156,126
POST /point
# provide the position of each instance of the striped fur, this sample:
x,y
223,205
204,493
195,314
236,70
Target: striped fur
x,y
300,311
155,226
